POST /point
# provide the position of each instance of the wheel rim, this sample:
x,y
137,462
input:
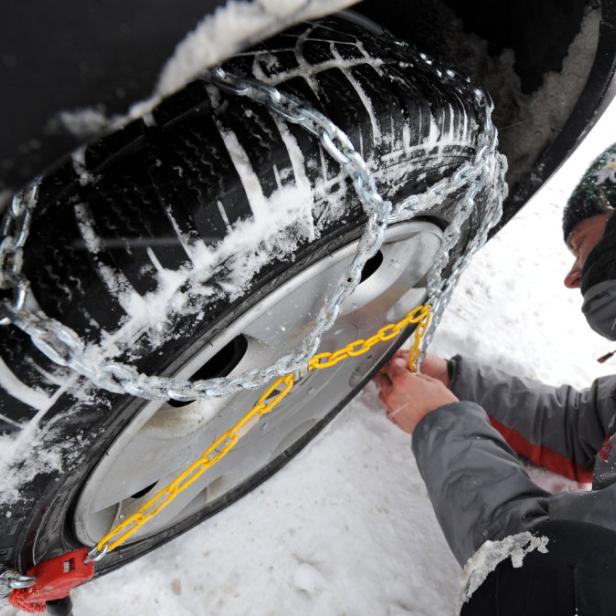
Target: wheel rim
x,y
162,439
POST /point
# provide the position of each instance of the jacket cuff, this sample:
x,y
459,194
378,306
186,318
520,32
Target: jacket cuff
x,y
462,371
452,370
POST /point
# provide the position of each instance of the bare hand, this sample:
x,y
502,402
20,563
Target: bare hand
x,y
410,397
432,365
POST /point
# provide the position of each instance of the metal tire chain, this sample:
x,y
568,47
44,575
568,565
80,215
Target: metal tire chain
x,y
63,346
46,332
267,402
12,580
495,172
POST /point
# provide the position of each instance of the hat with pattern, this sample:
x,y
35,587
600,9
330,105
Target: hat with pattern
x,y
596,192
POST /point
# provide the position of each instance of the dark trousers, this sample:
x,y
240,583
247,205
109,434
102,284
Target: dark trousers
x,y
576,577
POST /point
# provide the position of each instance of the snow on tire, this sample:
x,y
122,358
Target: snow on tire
x,y
200,241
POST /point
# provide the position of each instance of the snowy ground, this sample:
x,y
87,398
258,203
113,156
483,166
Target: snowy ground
x,y
346,528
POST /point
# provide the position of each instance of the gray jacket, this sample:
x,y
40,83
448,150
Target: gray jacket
x,y
476,483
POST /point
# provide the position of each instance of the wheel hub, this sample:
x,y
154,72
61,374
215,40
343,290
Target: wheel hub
x,y
163,439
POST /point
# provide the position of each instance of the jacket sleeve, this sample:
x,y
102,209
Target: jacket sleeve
x,y
559,428
479,489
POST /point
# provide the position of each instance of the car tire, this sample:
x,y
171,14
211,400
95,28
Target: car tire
x,y
130,211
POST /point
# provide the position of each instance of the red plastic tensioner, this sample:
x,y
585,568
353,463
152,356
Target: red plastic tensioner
x,y
55,578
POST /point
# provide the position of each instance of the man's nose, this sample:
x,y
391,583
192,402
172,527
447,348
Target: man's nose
x,y
573,280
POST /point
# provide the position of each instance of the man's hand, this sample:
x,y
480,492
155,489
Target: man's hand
x,y
410,397
432,365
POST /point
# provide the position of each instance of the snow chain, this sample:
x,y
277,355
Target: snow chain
x,y
62,345
268,401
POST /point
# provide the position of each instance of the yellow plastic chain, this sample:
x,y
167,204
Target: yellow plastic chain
x,y
274,395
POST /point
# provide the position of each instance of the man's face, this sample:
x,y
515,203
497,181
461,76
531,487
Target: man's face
x,y
582,239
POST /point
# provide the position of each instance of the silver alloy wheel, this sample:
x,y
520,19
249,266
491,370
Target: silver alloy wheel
x,y
163,439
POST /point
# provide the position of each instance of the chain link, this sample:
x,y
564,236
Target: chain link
x,y
15,228
488,180
13,580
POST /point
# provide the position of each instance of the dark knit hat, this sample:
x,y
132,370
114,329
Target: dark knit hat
x,y
596,192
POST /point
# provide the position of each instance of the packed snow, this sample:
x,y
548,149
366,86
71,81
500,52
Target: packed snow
x,y
346,527
492,553
528,122
235,25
